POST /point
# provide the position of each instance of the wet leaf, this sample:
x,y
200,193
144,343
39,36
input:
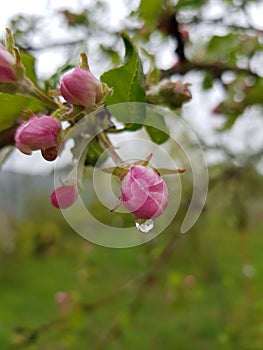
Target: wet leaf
x,y
128,83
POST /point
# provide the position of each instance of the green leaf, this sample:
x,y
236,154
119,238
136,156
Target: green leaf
x,y
159,133
223,48
111,53
230,47
29,64
52,82
11,107
190,3
94,153
150,12
231,119
208,80
131,114
254,93
128,83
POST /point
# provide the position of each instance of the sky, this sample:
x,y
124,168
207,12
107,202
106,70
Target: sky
x,y
41,7
118,8
196,112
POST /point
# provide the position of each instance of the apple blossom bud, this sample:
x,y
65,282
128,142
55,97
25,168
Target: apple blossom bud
x,y
38,133
63,300
8,72
144,192
64,196
169,93
80,87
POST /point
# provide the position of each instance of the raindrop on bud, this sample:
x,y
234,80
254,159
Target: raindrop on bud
x,y
144,226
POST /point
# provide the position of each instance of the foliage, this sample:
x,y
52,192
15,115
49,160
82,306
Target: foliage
x,y
198,291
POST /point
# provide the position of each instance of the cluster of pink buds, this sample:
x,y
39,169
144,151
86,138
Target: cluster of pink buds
x,y
78,87
143,191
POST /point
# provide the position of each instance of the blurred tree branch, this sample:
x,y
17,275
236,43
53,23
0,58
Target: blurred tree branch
x,y
7,136
217,69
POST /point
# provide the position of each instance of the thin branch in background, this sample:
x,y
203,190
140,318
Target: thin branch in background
x,y
31,335
171,26
176,33
30,48
217,69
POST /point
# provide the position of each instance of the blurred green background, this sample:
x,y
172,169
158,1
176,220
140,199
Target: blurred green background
x,y
201,290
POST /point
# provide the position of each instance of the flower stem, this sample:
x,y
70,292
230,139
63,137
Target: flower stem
x,y
105,141
44,98
27,87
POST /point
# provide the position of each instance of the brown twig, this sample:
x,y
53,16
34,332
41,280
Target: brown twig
x,y
217,69
174,31
7,137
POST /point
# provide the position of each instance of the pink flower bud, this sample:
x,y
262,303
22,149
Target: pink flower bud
x,y
8,71
63,300
80,87
64,196
38,133
144,192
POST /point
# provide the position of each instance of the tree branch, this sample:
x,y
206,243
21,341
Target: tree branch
x,y
7,137
171,26
217,69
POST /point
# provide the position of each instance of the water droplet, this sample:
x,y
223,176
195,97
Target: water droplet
x,y
144,226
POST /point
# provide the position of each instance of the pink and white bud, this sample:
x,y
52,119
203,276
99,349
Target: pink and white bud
x,y
8,71
144,192
64,196
38,133
80,87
